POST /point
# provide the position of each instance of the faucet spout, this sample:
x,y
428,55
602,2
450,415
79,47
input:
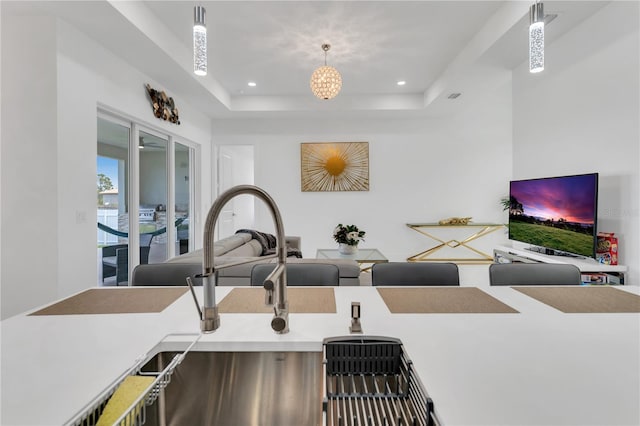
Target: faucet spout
x,y
276,294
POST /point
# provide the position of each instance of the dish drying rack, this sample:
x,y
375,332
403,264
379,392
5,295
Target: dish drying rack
x,y
371,381
136,414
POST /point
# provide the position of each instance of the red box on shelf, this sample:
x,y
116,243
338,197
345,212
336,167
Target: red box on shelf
x,y
607,248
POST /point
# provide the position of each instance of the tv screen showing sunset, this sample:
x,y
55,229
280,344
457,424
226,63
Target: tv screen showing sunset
x,y
557,213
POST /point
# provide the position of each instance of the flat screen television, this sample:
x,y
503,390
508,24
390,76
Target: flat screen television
x,y
556,214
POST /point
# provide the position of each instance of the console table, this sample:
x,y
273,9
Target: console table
x,y
475,231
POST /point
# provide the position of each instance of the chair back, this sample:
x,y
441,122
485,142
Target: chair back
x,y
534,274
145,240
166,274
299,274
415,274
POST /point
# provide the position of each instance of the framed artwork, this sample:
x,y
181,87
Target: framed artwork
x,y
334,166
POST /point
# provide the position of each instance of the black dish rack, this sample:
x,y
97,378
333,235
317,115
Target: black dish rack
x,y
371,381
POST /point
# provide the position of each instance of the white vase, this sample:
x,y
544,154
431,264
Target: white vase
x,y
347,249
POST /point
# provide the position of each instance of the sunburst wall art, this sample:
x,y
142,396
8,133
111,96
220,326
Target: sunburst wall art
x,y
335,166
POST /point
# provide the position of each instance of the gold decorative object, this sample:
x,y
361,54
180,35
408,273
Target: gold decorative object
x,y
163,105
338,166
475,231
455,221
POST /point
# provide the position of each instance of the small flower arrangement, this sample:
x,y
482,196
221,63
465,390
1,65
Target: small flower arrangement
x,y
348,234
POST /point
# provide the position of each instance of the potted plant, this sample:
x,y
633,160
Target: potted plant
x,y
348,237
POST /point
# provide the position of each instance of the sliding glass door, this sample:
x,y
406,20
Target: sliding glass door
x,y
113,207
183,183
153,194
145,197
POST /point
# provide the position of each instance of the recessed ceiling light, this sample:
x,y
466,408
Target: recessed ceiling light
x,y
252,84
401,83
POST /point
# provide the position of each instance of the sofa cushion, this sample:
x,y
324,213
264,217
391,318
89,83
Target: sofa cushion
x,y
241,247
347,268
194,256
225,245
239,271
252,248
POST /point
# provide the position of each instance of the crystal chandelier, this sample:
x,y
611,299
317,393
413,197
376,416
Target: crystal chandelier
x,y
199,41
326,81
536,38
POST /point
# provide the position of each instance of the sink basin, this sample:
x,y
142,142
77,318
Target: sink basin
x,y
355,380
239,388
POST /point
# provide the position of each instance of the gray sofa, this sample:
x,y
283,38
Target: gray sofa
x,y
242,246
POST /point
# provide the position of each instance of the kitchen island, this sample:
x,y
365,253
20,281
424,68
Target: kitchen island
x,y
536,366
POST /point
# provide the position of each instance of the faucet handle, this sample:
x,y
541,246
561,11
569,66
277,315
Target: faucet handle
x,y
279,322
209,318
195,299
268,297
268,285
355,327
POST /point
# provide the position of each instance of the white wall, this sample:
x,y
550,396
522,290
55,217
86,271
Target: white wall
x,y
581,115
53,81
30,232
421,170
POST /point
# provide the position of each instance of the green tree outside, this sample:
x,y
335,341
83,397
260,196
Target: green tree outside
x,y
104,184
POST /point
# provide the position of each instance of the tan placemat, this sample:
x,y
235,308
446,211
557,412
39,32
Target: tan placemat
x,y
591,299
441,300
130,300
302,300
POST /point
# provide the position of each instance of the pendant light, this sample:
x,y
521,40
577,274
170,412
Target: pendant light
x,y
199,41
536,37
326,81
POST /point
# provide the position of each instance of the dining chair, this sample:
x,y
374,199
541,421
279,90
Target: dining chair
x,y
166,274
534,274
299,274
115,259
415,274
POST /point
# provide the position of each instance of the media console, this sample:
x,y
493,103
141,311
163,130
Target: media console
x,y
592,271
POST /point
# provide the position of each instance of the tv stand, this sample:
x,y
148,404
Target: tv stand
x,y
592,271
552,252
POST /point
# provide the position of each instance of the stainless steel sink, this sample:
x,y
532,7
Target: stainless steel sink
x,y
354,381
240,388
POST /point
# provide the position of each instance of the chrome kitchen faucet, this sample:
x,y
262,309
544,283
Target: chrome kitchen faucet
x,y
275,284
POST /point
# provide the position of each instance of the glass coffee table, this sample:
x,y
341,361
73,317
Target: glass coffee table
x,y
365,257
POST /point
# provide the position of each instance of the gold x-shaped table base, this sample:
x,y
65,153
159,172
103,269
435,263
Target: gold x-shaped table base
x,y
426,256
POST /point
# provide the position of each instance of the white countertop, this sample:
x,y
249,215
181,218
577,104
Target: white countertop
x,y
538,367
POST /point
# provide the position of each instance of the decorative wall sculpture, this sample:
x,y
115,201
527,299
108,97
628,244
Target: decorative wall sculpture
x,y
335,166
163,105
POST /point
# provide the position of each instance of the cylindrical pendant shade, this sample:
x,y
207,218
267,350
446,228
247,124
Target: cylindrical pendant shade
x,y
536,38
199,41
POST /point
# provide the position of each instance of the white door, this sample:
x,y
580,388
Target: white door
x,y
235,167
226,220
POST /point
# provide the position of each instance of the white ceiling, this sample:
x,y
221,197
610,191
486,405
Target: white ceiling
x,y
437,47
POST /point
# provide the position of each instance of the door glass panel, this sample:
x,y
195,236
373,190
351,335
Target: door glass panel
x,y
182,191
112,202
153,198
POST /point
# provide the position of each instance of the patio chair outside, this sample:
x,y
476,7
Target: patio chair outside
x,y
115,259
